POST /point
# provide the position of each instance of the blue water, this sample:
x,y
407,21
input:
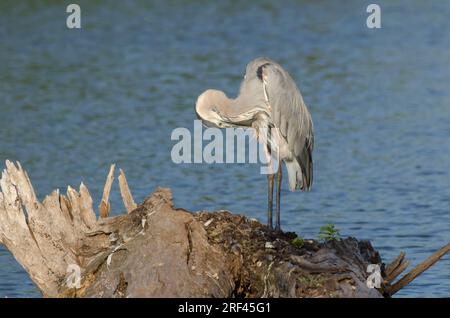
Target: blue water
x,y
74,101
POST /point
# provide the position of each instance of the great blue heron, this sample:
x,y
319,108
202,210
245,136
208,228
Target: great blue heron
x,y
268,98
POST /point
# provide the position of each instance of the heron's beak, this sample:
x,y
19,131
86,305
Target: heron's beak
x,y
205,122
208,123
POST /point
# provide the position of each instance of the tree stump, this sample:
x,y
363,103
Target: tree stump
x,y
157,250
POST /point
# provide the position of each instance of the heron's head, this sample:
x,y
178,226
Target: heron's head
x,y
208,108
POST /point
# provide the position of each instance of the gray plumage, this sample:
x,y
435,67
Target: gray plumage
x,y
268,98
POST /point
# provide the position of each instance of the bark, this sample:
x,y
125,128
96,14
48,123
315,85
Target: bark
x,y
157,250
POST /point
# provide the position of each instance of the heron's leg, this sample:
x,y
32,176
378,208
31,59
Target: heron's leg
x,y
279,175
270,179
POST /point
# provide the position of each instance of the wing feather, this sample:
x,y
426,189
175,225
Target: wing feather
x,y
291,116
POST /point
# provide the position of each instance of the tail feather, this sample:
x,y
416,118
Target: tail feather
x,y
293,171
306,164
300,175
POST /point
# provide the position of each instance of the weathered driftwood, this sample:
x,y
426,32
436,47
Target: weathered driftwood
x,y
157,250
125,192
419,269
104,207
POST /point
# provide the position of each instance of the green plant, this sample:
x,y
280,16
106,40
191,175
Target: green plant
x,y
298,242
329,233
312,281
